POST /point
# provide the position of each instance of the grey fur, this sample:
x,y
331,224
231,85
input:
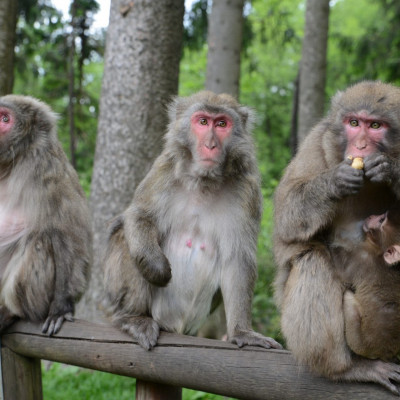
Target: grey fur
x,y
45,237
319,199
152,279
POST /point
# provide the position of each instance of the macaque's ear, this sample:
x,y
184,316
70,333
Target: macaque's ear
x,y
392,254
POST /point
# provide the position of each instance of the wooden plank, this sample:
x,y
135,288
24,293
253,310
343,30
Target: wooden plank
x,y
22,376
200,364
156,391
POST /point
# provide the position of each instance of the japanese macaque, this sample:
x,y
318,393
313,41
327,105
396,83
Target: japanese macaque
x,y
368,267
190,233
321,199
45,238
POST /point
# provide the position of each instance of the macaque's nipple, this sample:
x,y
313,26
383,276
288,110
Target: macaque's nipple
x,y
190,244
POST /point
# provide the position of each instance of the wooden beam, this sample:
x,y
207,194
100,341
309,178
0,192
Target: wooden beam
x,y
183,361
22,376
156,391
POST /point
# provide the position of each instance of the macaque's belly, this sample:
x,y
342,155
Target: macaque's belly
x,y
184,304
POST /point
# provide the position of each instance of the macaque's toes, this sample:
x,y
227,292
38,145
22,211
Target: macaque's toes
x,y
251,338
53,323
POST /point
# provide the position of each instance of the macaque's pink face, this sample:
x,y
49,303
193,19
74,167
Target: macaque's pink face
x,y
374,227
6,120
364,132
211,132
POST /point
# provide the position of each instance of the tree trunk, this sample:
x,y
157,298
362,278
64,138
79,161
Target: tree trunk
x,y
224,46
143,50
313,66
8,23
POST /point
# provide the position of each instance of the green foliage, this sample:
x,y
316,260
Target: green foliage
x,y
61,382
265,316
43,45
67,382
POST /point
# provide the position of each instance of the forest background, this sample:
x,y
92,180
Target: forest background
x,y
61,61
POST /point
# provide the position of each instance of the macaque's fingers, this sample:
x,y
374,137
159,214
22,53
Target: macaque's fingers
x,y
144,329
252,338
346,179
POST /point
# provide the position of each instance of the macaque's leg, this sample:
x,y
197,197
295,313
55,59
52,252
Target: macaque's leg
x,y
352,319
237,290
128,293
312,314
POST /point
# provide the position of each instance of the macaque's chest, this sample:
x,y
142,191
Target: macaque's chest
x,y
194,246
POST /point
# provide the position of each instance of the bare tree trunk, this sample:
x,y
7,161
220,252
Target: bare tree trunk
x,y
8,22
313,66
143,50
224,46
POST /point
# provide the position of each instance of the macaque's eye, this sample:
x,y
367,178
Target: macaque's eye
x,y
375,125
5,118
353,122
222,123
203,121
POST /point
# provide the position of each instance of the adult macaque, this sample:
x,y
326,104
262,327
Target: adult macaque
x,y
320,200
190,233
45,240
368,267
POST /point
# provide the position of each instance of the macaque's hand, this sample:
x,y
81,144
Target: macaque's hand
x,y
251,338
155,268
346,180
379,168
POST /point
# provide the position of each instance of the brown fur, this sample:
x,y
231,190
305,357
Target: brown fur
x,y
152,279
314,203
45,238
372,298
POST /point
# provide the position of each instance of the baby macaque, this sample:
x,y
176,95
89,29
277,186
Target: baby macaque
x,y
370,270
45,235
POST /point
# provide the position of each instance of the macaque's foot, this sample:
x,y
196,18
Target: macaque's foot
x,y
251,338
53,323
144,329
365,370
387,374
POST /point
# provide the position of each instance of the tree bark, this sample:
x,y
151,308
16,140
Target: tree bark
x,y
224,46
8,23
143,49
313,66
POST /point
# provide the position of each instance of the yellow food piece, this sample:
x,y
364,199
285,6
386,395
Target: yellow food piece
x,y
357,163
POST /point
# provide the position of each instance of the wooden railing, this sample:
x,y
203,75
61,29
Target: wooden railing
x,y
177,361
